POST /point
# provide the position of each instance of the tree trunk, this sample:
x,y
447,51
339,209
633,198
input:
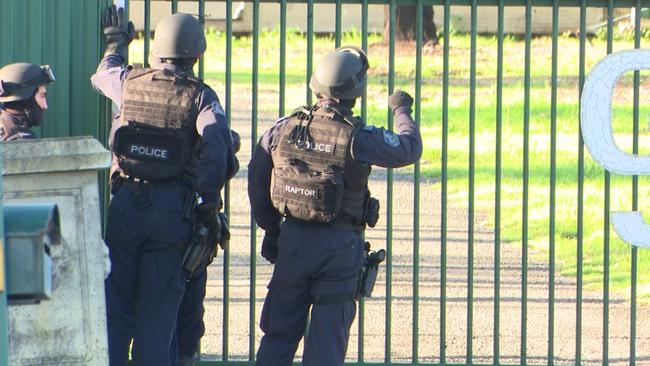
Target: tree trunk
x,y
405,24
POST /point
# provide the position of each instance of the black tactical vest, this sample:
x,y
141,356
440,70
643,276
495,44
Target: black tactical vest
x,y
314,176
157,138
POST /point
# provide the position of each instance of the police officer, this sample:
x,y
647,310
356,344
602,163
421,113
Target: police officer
x,y
23,99
170,142
312,168
191,327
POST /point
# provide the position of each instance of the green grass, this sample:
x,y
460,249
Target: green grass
x,y
565,233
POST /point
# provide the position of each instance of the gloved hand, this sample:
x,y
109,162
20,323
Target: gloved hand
x,y
118,33
236,140
399,99
225,231
208,215
270,247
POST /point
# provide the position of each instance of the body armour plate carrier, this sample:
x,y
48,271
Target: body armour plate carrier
x,y
314,176
156,139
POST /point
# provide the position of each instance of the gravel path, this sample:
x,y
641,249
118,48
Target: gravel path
x,y
429,290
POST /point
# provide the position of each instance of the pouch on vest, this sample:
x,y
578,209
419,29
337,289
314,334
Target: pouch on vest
x,y
307,194
151,153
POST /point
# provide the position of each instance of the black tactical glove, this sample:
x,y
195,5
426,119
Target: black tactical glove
x,y
225,231
236,140
270,247
399,99
208,215
118,33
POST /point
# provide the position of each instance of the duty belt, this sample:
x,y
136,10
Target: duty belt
x,y
120,178
340,223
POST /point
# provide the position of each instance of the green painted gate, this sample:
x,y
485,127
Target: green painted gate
x,y
66,35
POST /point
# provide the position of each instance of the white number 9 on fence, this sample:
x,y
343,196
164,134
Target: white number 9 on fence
x,y
596,124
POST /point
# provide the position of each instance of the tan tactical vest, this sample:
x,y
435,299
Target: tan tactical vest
x,y
314,176
157,139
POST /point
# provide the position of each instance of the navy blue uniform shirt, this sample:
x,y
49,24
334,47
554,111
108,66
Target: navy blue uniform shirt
x,y
372,145
217,161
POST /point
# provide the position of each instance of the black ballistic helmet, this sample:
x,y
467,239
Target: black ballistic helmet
x,y
19,81
341,74
178,36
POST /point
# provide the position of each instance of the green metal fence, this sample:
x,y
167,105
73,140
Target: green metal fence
x,y
66,34
423,353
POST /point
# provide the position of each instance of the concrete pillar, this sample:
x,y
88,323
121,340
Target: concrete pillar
x,y
70,328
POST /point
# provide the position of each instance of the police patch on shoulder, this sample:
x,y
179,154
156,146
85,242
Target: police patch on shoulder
x,y
369,128
216,108
391,139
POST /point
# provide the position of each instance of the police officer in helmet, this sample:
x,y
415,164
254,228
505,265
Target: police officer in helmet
x,y
23,99
170,143
308,188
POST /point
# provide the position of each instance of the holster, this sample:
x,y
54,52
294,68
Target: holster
x,y
200,253
368,273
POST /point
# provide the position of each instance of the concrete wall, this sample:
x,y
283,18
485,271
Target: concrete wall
x,y
70,327
324,17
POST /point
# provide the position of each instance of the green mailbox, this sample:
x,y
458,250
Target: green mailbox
x,y
30,230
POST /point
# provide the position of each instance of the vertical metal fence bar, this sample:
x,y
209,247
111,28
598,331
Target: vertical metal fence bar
x,y
310,45
147,32
444,184
226,254
174,6
4,307
581,184
526,173
635,187
283,56
389,192
256,40
416,186
551,233
127,13
339,12
470,204
202,58
607,188
497,187
364,115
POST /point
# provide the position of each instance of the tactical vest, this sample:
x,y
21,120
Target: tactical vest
x,y
157,138
314,176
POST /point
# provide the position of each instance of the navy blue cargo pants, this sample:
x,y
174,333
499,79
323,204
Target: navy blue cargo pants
x,y
314,260
146,235
190,316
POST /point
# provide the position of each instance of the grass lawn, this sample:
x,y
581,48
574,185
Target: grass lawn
x,y
567,123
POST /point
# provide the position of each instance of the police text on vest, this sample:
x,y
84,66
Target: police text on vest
x,y
319,147
149,151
